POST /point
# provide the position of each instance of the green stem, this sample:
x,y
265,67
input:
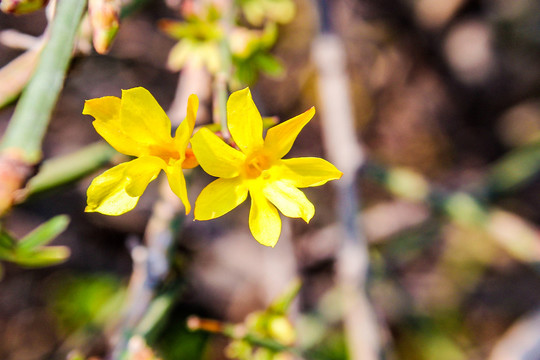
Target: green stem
x,y
27,128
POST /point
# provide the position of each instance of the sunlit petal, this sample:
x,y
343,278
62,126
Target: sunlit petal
x,y
140,172
106,111
264,220
177,182
289,200
244,121
215,157
142,117
280,138
220,197
107,193
307,171
185,129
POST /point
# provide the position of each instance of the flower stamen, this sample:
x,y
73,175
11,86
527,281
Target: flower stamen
x,y
255,165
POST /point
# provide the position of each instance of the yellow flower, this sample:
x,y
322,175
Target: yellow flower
x,y
258,168
136,125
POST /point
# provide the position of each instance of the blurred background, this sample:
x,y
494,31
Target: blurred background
x,y
445,97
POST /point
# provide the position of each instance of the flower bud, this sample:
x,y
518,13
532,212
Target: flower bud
x,y
105,20
19,7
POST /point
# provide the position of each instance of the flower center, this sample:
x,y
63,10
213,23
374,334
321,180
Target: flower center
x,y
167,153
255,164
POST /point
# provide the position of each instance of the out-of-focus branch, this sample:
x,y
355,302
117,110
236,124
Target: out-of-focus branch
x,y
521,341
21,144
199,85
344,151
151,261
27,127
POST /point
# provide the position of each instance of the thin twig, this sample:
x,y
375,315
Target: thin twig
x,y
344,151
151,261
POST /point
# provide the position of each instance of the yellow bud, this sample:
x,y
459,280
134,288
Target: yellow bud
x,y
281,329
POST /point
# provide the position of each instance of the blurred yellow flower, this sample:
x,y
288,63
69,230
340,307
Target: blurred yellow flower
x,y
136,125
258,168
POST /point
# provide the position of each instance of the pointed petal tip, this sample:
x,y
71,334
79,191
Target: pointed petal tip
x,y
271,244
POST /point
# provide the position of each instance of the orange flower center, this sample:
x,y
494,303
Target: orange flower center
x,y
168,153
256,164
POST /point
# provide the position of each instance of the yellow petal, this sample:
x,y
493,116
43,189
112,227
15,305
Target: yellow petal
x,y
289,200
280,138
143,119
140,172
177,182
105,108
215,157
264,220
307,171
106,111
244,121
185,129
107,193
220,197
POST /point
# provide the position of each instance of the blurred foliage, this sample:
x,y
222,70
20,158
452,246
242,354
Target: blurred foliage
x,y
30,251
251,56
257,11
20,7
458,144
86,303
206,40
199,37
264,335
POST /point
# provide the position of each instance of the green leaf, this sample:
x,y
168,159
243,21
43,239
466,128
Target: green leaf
x,y
6,240
281,304
50,255
68,168
7,246
269,64
44,233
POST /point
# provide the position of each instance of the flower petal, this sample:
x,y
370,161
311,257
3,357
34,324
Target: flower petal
x,y
106,108
107,193
280,138
177,182
140,172
244,121
289,200
185,129
308,171
220,197
215,157
264,220
143,119
106,111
